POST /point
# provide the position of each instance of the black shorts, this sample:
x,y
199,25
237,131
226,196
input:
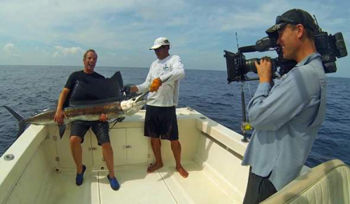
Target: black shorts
x,y
258,188
80,127
161,122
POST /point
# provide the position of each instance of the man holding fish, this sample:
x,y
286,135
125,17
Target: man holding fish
x,y
80,127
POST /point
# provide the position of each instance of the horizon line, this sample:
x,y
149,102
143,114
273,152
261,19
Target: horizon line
x,y
108,66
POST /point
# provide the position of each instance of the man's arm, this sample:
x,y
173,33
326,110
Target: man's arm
x,y
176,73
271,108
59,115
144,86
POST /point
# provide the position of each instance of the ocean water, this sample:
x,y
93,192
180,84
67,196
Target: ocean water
x,y
30,89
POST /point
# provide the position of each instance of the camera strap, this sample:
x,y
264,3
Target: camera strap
x,y
321,112
310,58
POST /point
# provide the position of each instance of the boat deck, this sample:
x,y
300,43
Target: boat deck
x,y
43,171
137,186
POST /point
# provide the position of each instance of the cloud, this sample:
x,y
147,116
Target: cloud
x,y
121,31
66,51
9,47
10,50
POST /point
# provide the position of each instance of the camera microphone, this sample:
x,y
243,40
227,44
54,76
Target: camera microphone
x,y
264,44
250,48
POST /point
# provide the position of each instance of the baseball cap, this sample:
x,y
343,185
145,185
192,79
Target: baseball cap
x,y
293,16
160,42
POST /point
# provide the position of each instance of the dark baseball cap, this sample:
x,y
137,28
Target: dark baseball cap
x,y
293,16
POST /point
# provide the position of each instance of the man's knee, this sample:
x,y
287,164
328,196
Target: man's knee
x,y
106,145
155,141
174,142
75,139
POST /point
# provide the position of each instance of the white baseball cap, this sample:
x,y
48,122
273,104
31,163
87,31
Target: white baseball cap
x,y
160,42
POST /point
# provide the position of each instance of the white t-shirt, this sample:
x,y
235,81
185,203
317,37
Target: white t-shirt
x,y
170,70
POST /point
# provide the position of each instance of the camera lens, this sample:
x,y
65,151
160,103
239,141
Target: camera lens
x,y
250,65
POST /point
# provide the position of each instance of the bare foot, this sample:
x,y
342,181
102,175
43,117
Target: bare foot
x,y
152,167
182,171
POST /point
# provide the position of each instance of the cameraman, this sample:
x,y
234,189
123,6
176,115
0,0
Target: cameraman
x,y
287,113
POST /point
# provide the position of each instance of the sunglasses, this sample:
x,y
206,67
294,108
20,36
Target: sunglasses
x,y
282,19
158,49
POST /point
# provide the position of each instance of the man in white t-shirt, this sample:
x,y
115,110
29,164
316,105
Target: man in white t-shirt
x,y
163,83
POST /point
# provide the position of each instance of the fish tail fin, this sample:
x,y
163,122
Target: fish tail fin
x,y
21,121
61,130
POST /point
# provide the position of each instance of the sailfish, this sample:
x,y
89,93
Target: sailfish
x,y
109,95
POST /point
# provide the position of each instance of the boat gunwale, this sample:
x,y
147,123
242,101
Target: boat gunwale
x,y
23,150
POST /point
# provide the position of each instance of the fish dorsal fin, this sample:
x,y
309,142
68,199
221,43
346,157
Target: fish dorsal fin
x,y
118,78
96,89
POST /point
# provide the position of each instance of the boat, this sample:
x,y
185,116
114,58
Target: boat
x,y
38,168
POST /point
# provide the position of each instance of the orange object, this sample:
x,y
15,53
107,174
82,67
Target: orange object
x,y
103,117
156,83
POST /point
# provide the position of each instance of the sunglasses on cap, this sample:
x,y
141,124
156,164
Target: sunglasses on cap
x,y
282,19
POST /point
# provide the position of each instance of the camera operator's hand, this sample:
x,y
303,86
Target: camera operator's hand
x,y
264,70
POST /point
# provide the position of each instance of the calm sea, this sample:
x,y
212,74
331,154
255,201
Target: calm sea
x,y
30,89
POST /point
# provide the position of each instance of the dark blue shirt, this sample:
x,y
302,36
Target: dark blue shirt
x,y
82,94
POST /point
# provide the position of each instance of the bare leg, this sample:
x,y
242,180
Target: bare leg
x,y
107,152
176,147
75,146
155,143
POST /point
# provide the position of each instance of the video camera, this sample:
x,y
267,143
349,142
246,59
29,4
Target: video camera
x,y
329,46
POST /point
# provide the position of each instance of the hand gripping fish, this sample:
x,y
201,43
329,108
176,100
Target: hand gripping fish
x,y
91,112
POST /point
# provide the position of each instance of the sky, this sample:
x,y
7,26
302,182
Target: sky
x,y
57,32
